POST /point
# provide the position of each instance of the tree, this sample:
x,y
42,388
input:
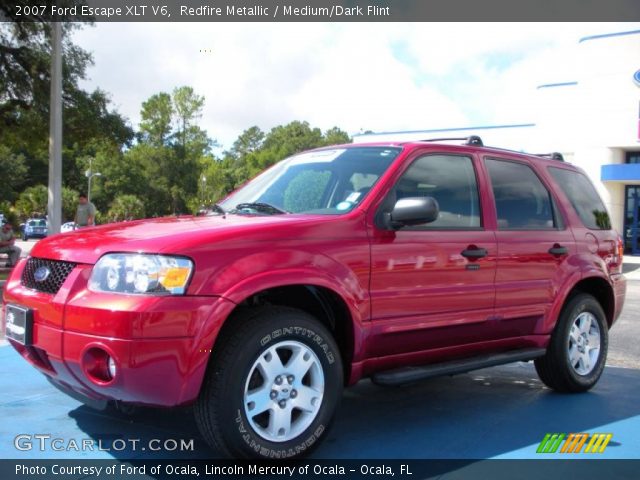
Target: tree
x,y
285,140
25,54
335,136
32,202
188,109
156,114
14,172
69,203
126,207
247,143
171,149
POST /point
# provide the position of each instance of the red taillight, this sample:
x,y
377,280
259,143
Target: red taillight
x,y
618,257
620,250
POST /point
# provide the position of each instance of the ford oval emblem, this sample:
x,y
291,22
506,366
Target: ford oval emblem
x,y
636,77
41,274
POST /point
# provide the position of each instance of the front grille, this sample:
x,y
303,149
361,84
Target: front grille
x,y
59,271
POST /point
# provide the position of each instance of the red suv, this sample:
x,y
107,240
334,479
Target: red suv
x,y
394,261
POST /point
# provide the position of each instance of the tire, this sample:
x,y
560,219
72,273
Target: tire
x,y
295,396
572,363
25,238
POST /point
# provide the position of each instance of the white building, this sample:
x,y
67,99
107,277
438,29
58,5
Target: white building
x,y
593,119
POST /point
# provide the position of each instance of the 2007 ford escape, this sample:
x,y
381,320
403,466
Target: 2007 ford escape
x,y
394,261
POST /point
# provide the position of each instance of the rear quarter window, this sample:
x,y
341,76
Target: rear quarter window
x,y
583,197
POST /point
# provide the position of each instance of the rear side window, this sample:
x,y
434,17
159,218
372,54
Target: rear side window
x,y
451,180
584,198
522,201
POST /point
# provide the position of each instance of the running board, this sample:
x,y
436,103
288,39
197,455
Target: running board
x,y
405,375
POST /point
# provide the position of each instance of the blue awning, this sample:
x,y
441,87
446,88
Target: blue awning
x,y
620,172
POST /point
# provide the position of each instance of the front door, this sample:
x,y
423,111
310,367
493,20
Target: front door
x,y
632,219
432,285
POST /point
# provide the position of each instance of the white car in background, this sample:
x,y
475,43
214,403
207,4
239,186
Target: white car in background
x,y
67,227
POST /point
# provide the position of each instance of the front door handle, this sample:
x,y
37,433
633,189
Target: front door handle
x,y
558,249
474,252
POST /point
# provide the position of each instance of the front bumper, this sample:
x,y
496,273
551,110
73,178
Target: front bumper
x,y
160,345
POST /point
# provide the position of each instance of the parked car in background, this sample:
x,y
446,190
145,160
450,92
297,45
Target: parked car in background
x,y
35,228
67,227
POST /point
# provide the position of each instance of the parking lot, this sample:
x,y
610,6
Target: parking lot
x,y
501,412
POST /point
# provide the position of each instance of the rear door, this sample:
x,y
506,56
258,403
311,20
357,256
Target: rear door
x,y
425,293
533,244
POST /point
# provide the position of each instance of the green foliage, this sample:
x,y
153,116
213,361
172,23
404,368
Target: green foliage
x,y
32,202
25,54
169,170
9,213
69,204
14,172
126,207
335,136
156,115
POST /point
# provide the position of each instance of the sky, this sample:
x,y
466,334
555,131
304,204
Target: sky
x,y
357,76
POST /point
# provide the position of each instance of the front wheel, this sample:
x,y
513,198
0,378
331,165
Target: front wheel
x,y
273,385
577,351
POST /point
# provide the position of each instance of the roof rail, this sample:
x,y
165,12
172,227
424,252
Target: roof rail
x,y
553,156
470,140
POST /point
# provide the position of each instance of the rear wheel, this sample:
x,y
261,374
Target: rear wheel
x,y
577,351
272,387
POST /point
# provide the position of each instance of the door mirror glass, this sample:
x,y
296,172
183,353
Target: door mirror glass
x,y
414,211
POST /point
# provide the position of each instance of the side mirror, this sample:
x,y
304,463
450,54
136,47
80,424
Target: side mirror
x,y
414,211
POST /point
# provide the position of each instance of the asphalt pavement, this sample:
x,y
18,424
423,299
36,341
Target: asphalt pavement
x,y
501,412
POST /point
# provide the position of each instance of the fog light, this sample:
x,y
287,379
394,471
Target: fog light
x,y
98,365
112,367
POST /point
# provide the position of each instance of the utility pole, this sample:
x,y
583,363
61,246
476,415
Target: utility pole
x,y
54,205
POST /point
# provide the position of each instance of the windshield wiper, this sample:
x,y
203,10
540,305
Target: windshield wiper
x,y
261,207
209,210
218,209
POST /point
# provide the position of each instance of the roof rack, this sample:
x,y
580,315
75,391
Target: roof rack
x,y
470,140
553,156
477,141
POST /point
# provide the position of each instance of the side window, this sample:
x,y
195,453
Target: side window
x,y
584,198
522,201
451,180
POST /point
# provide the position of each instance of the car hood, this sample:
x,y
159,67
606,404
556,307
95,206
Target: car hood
x,y
177,235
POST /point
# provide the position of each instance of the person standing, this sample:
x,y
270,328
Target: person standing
x,y
7,245
85,213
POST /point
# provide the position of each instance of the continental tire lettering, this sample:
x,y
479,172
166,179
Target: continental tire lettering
x,y
279,454
303,332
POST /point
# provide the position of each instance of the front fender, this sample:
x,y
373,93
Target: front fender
x,y
259,271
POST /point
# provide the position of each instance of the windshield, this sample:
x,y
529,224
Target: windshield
x,y
331,181
37,223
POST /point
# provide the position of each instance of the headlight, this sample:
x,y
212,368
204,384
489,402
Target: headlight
x,y
141,273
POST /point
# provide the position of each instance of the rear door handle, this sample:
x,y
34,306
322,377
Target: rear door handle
x,y
474,252
558,250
